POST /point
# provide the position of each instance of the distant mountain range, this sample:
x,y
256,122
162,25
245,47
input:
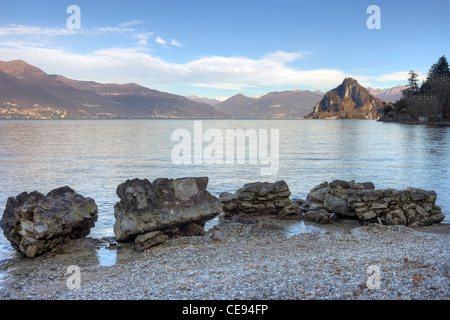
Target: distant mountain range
x,y
284,104
210,101
349,100
28,92
274,105
388,95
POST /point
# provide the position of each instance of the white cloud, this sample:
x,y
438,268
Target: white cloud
x,y
399,76
130,23
30,30
221,98
26,33
284,57
222,85
175,43
159,40
143,37
139,66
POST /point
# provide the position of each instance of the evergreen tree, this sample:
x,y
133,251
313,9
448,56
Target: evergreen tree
x,y
439,70
413,86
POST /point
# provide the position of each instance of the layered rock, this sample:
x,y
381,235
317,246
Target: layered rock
x,y
411,207
256,198
349,100
35,223
172,206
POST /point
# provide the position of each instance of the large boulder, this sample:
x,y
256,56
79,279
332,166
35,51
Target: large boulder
x,y
172,206
35,223
411,207
257,198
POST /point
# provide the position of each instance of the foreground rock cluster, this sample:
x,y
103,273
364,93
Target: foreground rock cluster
x,y
256,198
411,207
329,201
35,223
150,213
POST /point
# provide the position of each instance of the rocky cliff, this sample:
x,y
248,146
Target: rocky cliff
x,y
349,100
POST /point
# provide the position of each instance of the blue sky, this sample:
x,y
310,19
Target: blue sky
x,y
221,48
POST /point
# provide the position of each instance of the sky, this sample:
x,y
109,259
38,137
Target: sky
x,y
222,48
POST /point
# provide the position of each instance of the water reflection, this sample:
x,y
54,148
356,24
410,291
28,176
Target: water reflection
x,y
302,227
106,257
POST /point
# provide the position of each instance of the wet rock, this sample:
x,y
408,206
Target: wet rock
x,y
320,216
292,211
35,223
166,205
412,207
243,218
147,240
334,216
258,198
338,204
318,192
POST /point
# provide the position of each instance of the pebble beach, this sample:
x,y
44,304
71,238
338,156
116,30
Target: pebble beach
x,y
240,261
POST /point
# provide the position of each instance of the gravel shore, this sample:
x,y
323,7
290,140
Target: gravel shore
x,y
266,260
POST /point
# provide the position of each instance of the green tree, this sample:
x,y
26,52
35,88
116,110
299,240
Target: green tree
x,y
412,86
439,70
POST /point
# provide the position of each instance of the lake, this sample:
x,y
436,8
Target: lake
x,y
95,156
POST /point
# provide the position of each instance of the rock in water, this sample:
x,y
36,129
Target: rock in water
x,y
257,198
166,205
35,223
412,207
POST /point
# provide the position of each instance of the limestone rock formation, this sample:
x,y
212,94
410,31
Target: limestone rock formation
x,y
35,223
349,100
172,206
412,207
256,198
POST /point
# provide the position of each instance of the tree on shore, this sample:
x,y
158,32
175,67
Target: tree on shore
x,y
412,86
431,100
439,70
438,75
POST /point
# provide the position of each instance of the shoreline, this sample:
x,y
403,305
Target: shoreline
x,y
266,260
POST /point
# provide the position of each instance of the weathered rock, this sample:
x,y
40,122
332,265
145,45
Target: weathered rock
x,y
192,229
396,216
165,205
147,240
258,198
411,207
318,192
349,100
244,219
34,223
311,206
334,216
338,205
319,216
292,211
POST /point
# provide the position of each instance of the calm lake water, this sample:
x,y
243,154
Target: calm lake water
x,y
95,156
